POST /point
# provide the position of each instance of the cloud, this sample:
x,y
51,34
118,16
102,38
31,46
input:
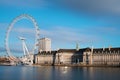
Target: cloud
x,y
21,30
91,6
23,3
14,51
2,49
67,35
24,30
3,26
106,30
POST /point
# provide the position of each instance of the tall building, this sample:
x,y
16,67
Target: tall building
x,y
45,44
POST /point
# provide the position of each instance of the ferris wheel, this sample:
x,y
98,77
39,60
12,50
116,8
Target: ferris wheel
x,y
18,18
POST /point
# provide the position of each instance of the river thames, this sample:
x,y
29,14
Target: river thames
x,y
58,73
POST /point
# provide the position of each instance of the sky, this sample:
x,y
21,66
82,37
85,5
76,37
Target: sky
x,y
66,22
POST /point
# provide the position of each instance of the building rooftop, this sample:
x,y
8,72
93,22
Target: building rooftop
x,y
106,49
80,51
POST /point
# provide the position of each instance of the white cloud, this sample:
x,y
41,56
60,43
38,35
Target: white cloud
x,y
3,26
92,6
23,3
105,30
24,30
65,35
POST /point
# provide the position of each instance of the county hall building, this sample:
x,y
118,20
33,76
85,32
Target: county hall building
x,y
84,56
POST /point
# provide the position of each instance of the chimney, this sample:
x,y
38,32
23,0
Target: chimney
x,y
103,48
77,47
110,48
92,49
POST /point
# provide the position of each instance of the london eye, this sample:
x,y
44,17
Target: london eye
x,y
13,38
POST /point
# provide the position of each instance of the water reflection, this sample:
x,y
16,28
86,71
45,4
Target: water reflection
x,y
88,73
101,73
58,73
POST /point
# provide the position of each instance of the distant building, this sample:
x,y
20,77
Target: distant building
x,y
4,60
45,44
85,56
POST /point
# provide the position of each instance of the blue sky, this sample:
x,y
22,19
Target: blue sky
x,y
66,22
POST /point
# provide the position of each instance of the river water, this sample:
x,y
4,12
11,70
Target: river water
x,y
58,73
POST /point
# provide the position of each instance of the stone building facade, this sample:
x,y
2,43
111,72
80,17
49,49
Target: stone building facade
x,y
85,56
109,56
44,44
